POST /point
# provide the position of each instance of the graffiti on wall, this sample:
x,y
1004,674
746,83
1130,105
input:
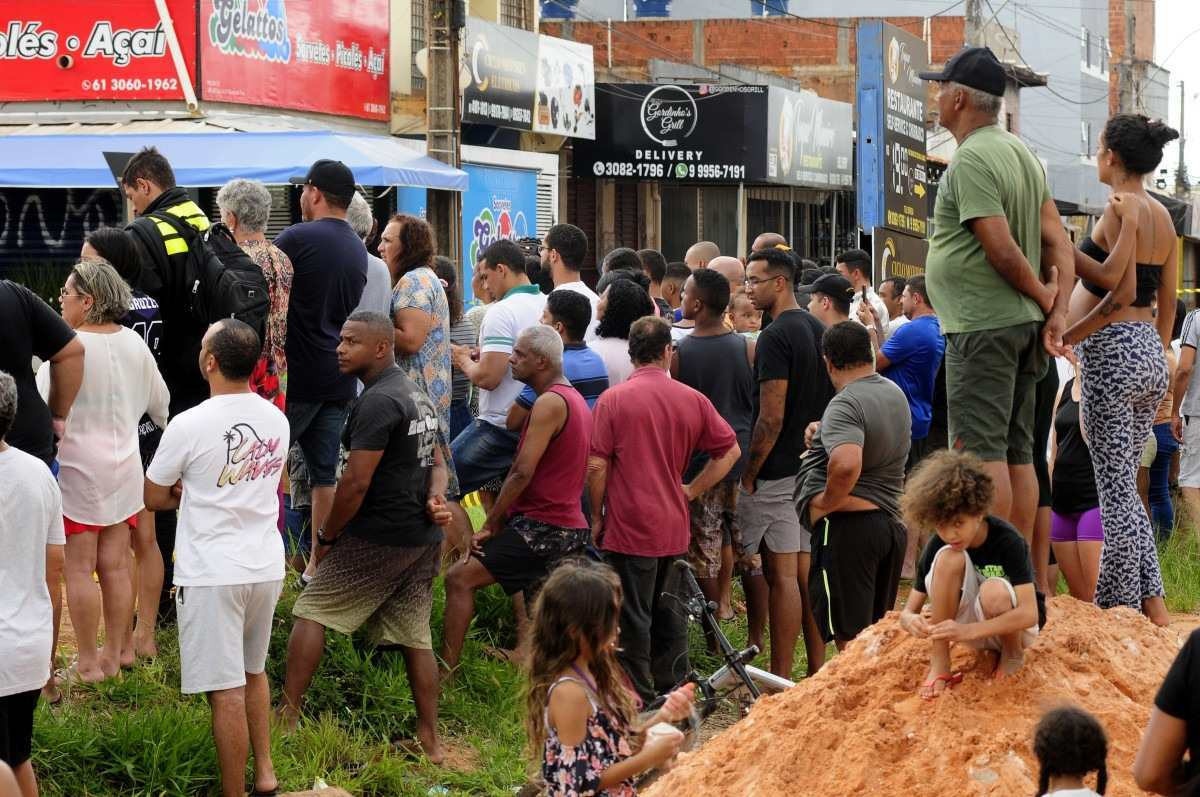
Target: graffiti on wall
x,y
48,225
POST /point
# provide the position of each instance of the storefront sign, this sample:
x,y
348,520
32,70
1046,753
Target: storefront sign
x,y
807,140
500,204
897,254
684,133
525,81
311,55
891,123
566,89
116,50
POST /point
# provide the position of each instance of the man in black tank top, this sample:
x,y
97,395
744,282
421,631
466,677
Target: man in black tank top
x,y
717,363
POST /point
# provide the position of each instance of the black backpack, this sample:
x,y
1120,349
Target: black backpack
x,y
220,279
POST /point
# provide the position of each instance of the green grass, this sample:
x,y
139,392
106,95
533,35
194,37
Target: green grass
x,y
139,736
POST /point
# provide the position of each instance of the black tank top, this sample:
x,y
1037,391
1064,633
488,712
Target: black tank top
x,y
1073,487
1149,277
717,366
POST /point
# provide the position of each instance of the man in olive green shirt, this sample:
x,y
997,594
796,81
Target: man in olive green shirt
x,y
999,270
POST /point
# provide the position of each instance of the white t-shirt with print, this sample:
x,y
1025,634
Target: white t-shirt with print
x,y
229,451
30,519
520,309
876,304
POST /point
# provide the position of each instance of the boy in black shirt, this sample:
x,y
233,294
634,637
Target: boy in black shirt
x,y
976,571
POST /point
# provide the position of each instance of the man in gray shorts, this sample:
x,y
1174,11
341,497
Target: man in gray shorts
x,y
793,390
227,455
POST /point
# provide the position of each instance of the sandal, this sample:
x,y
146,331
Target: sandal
x,y
949,679
256,792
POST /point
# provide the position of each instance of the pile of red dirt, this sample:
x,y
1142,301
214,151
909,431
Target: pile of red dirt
x,y
858,726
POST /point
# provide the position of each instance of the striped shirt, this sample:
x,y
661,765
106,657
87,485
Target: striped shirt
x,y
583,368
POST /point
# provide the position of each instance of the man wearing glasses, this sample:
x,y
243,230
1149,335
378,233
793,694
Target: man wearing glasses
x,y
792,392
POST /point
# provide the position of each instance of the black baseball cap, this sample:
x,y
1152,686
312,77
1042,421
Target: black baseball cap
x,y
835,286
332,177
976,67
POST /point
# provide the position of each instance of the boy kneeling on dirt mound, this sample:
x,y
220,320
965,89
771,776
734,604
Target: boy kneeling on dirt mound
x,y
976,571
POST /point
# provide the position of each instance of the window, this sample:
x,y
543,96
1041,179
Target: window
x,y
1085,138
1086,38
512,13
1104,54
418,42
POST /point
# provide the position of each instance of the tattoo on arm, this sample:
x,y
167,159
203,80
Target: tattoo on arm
x,y
1109,306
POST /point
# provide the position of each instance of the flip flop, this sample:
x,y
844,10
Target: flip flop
x,y
501,654
409,748
254,792
949,679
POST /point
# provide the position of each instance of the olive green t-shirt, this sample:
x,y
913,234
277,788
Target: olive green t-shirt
x,y
991,174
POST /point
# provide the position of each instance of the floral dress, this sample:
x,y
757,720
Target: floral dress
x,y
269,379
576,771
420,289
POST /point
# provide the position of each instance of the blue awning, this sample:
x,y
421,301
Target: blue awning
x,y
211,158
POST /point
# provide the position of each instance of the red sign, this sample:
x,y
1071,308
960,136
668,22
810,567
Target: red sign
x,y
115,50
313,55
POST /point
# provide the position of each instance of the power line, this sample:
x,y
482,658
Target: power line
x,y
1062,97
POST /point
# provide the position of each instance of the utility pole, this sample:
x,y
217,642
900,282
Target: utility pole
x,y
973,30
443,25
1125,93
1181,175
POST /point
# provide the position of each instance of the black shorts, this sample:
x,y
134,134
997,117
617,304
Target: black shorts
x,y
1043,407
522,556
16,726
856,562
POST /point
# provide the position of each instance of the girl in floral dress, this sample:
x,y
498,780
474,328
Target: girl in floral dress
x,y
581,715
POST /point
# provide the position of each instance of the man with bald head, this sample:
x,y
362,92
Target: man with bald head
x,y
768,240
537,518
699,254
731,269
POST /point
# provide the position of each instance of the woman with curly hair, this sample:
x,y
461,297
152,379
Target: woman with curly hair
x,y
975,571
1129,260
420,312
622,302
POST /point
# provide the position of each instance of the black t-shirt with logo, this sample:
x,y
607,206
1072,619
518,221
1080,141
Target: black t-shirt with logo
x,y
396,417
1003,554
29,327
790,349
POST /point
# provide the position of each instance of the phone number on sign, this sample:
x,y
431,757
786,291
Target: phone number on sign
x,y
678,171
132,84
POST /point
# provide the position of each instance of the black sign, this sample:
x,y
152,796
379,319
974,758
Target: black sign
x,y
905,185
684,133
897,254
502,62
809,141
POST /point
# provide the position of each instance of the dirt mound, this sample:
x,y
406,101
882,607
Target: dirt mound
x,y
858,726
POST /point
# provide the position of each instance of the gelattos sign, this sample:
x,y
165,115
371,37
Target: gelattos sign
x,y
116,50
329,56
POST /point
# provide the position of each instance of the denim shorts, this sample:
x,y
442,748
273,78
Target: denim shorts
x,y
481,453
317,429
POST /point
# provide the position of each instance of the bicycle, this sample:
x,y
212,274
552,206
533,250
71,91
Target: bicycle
x,y
736,675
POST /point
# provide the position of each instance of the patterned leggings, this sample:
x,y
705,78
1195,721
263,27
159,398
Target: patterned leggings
x,y
1124,379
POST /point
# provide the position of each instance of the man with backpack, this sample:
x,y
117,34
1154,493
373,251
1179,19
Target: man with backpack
x,y
198,274
329,265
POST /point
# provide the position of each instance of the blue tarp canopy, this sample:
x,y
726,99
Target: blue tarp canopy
x,y
206,158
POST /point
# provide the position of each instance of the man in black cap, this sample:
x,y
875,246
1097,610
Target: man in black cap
x,y
1000,270
831,297
330,272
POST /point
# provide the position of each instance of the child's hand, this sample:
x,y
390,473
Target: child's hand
x,y
660,748
679,704
950,630
914,624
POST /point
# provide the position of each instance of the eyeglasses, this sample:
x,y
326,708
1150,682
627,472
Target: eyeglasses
x,y
63,293
754,282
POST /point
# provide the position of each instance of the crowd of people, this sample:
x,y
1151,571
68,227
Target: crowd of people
x,y
760,417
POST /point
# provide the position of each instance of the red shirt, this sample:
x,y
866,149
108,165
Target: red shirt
x,y
648,428
553,494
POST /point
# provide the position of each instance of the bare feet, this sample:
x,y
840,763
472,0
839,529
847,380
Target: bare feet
x,y
1155,608
76,675
286,719
426,745
506,655
1008,664
144,646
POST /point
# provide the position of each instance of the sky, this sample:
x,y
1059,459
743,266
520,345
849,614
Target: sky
x,y
1177,48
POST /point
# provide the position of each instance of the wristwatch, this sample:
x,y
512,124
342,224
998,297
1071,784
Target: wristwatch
x,y
323,540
